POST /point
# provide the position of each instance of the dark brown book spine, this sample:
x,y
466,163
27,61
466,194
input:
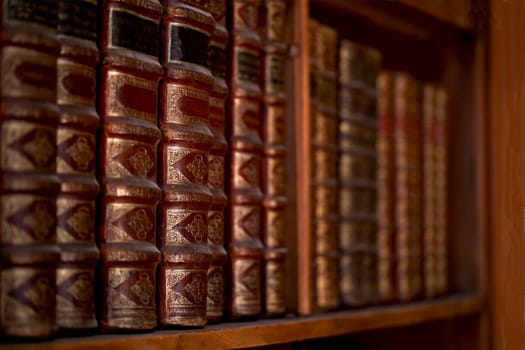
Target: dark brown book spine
x,y
129,80
357,172
28,185
216,162
76,164
274,156
407,140
441,150
184,152
325,194
386,222
429,191
243,130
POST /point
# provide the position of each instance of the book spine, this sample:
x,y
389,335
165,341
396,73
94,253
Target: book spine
x,y
184,154
441,189
76,164
216,162
324,148
129,78
408,186
357,173
429,191
243,130
274,155
29,184
386,222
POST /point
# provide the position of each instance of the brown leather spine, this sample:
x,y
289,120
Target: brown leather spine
x,y
216,162
76,164
358,66
243,131
184,153
274,156
323,140
386,248
407,144
441,150
28,185
129,80
429,191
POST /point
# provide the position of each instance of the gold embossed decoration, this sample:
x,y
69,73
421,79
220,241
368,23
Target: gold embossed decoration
x,y
198,168
137,223
79,152
78,221
138,160
197,228
38,146
37,220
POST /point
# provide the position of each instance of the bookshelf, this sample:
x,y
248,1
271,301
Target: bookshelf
x,y
431,34
240,335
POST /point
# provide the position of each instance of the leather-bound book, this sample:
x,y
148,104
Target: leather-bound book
x,y
429,191
129,78
184,151
386,249
28,181
324,148
76,164
216,162
358,66
271,30
243,130
441,189
408,182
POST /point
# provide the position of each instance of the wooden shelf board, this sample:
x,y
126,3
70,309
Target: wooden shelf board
x,y
447,13
275,331
414,18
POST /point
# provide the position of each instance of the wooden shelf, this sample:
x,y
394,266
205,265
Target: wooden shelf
x,y
276,331
454,14
415,18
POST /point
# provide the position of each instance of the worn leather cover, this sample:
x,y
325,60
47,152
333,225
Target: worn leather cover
x,y
129,79
408,182
28,185
76,164
243,130
185,149
324,148
216,162
274,61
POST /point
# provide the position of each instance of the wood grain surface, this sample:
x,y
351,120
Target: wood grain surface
x,y
506,135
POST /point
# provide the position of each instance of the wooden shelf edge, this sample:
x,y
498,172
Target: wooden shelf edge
x,y
455,16
408,17
267,332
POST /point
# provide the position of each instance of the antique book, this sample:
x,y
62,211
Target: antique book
x,y
429,190
127,104
441,189
408,182
386,224
243,131
324,177
358,70
76,164
216,162
29,185
271,30
184,152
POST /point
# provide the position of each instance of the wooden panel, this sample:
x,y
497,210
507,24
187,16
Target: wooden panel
x,y
457,334
507,141
268,332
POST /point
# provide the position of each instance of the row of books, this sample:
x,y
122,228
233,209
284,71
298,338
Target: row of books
x,y
379,179
142,161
